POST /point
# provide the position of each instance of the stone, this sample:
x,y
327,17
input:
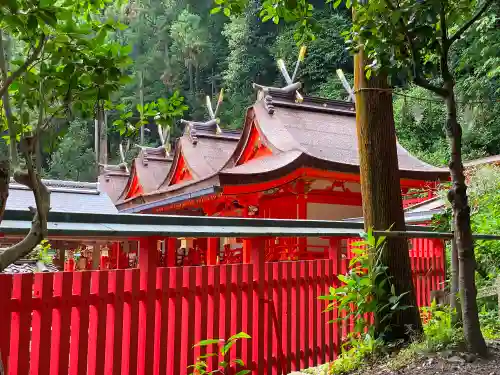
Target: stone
x,y
456,359
446,353
469,357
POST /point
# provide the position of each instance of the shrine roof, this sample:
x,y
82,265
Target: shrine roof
x,y
321,133
65,196
203,149
148,169
316,133
112,180
495,159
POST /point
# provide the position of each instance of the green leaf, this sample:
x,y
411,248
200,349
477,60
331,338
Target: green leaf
x,y
241,335
215,10
243,372
238,362
208,342
227,12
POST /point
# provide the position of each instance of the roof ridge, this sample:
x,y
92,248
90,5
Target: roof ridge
x,y
61,184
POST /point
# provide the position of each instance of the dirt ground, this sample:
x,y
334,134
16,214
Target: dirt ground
x,y
452,363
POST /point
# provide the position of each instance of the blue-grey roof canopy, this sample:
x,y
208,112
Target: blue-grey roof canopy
x,y
65,196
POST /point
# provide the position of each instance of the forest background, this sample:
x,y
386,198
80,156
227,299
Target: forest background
x,y
178,45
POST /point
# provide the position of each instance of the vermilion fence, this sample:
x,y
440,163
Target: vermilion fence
x,y
146,321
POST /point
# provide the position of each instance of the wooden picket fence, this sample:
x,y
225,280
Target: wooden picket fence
x,y
133,322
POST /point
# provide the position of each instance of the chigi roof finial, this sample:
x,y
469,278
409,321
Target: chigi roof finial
x,y
265,92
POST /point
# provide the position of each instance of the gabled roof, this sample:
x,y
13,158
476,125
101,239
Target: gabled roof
x,y
316,133
148,169
200,152
495,160
279,137
65,196
112,180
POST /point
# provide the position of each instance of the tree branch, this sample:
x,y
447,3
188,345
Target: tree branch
x,y
8,80
469,23
38,229
422,82
30,179
415,57
4,185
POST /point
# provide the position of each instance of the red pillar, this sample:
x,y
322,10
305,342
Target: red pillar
x,y
302,215
334,253
148,249
247,250
171,251
213,246
258,257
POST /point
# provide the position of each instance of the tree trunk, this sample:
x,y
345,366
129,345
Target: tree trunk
x,y
103,136
141,101
4,185
462,228
454,288
381,191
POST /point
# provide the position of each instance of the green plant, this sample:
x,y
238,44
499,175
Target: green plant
x,y
366,289
224,364
43,252
353,358
439,330
490,323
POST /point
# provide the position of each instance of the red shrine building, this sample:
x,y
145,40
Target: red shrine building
x,y
292,160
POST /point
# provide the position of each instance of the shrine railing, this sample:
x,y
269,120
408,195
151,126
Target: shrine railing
x,y
146,320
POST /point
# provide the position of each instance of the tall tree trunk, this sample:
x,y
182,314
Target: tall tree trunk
x,y
103,136
454,288
141,100
462,228
381,190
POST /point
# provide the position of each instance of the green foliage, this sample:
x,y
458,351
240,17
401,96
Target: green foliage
x,y
325,54
366,289
74,160
439,330
43,250
484,201
490,323
485,216
224,365
360,351
164,112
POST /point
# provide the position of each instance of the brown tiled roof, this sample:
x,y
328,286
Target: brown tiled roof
x,y
112,180
150,168
204,150
487,160
316,133
323,132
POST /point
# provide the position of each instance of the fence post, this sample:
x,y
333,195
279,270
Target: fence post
x,y
498,292
171,251
258,256
213,246
247,250
148,253
5,318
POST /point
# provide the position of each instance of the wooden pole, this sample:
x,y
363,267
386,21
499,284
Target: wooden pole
x,y
141,100
213,246
380,186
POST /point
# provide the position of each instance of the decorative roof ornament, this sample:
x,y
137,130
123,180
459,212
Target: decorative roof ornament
x,y
346,85
123,166
192,134
265,92
212,113
165,139
211,125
